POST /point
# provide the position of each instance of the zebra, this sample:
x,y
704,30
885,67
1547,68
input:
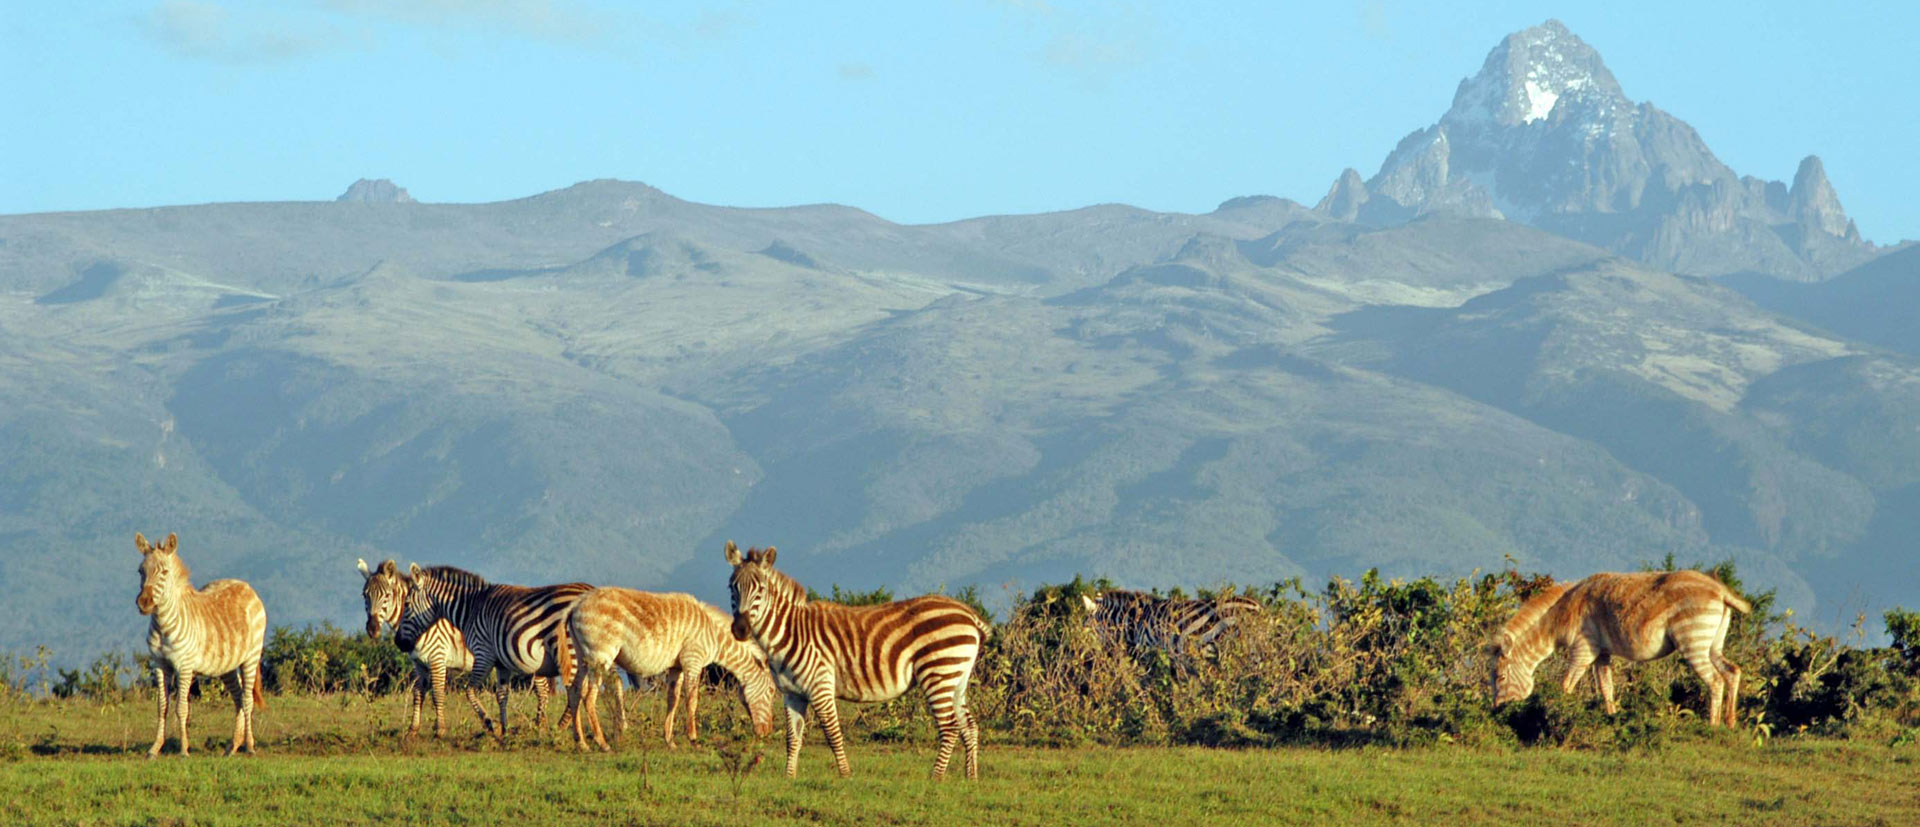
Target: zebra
x,y
1636,617
821,651
517,630
434,645
645,634
1143,622
218,630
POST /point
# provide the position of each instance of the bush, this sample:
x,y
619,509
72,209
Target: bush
x,y
325,659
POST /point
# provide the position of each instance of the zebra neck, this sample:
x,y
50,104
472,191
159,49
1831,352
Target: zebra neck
x,y
736,657
172,614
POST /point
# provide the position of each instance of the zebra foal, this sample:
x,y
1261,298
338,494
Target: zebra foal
x,y
432,643
646,634
515,629
218,630
1635,617
821,652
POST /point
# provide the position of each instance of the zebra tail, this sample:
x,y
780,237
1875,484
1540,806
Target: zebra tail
x,y
1734,600
259,699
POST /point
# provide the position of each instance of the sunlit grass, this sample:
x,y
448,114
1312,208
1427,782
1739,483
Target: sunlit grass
x,y
338,759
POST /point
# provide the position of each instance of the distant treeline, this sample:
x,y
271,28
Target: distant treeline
x,y
1373,661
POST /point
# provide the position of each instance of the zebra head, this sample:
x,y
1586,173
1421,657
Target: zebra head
x,y
755,588
758,691
1509,680
384,593
161,572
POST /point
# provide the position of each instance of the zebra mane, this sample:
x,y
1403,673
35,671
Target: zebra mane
x,y
456,578
1530,617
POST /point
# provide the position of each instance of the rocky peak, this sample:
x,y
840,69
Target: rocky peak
x,y
1525,77
376,190
1347,196
1544,135
1814,203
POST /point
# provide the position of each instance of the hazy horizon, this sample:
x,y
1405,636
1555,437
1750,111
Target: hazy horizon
x,y
1016,107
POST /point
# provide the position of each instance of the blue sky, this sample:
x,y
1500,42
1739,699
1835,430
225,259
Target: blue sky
x,y
918,111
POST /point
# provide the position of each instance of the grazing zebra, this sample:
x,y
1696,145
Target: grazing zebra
x,y
515,629
1635,617
434,645
822,651
1143,622
218,630
648,634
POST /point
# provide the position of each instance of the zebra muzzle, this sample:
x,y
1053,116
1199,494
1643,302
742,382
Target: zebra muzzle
x,y
740,631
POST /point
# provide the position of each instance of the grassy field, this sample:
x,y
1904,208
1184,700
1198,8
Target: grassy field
x,y
340,760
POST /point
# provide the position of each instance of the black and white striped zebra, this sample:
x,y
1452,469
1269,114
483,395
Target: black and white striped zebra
x,y
518,630
1143,622
432,643
821,651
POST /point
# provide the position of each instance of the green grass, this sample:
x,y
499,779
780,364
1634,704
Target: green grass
x,y
339,760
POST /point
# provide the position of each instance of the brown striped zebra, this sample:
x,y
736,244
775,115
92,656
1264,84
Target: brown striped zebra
x,y
646,634
432,643
1634,617
218,630
1143,622
518,630
822,651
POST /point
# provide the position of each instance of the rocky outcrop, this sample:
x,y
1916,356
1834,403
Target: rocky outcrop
x,y
1544,135
376,190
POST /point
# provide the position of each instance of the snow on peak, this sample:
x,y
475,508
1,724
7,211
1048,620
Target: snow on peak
x,y
1528,74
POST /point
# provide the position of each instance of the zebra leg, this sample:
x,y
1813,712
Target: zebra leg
x,y
437,683
691,681
236,685
542,692
674,677
500,694
416,696
796,729
1603,673
943,700
1702,662
252,686
620,699
970,737
1580,656
163,682
829,715
1729,673
183,687
593,679
969,728
575,716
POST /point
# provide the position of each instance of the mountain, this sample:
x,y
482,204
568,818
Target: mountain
x,y
1877,302
1482,354
1544,135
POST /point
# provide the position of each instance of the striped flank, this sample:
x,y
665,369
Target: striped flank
x,y
821,652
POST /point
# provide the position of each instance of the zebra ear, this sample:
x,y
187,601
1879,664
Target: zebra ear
x,y
415,570
172,543
389,567
767,556
140,542
363,567
1088,602
733,554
